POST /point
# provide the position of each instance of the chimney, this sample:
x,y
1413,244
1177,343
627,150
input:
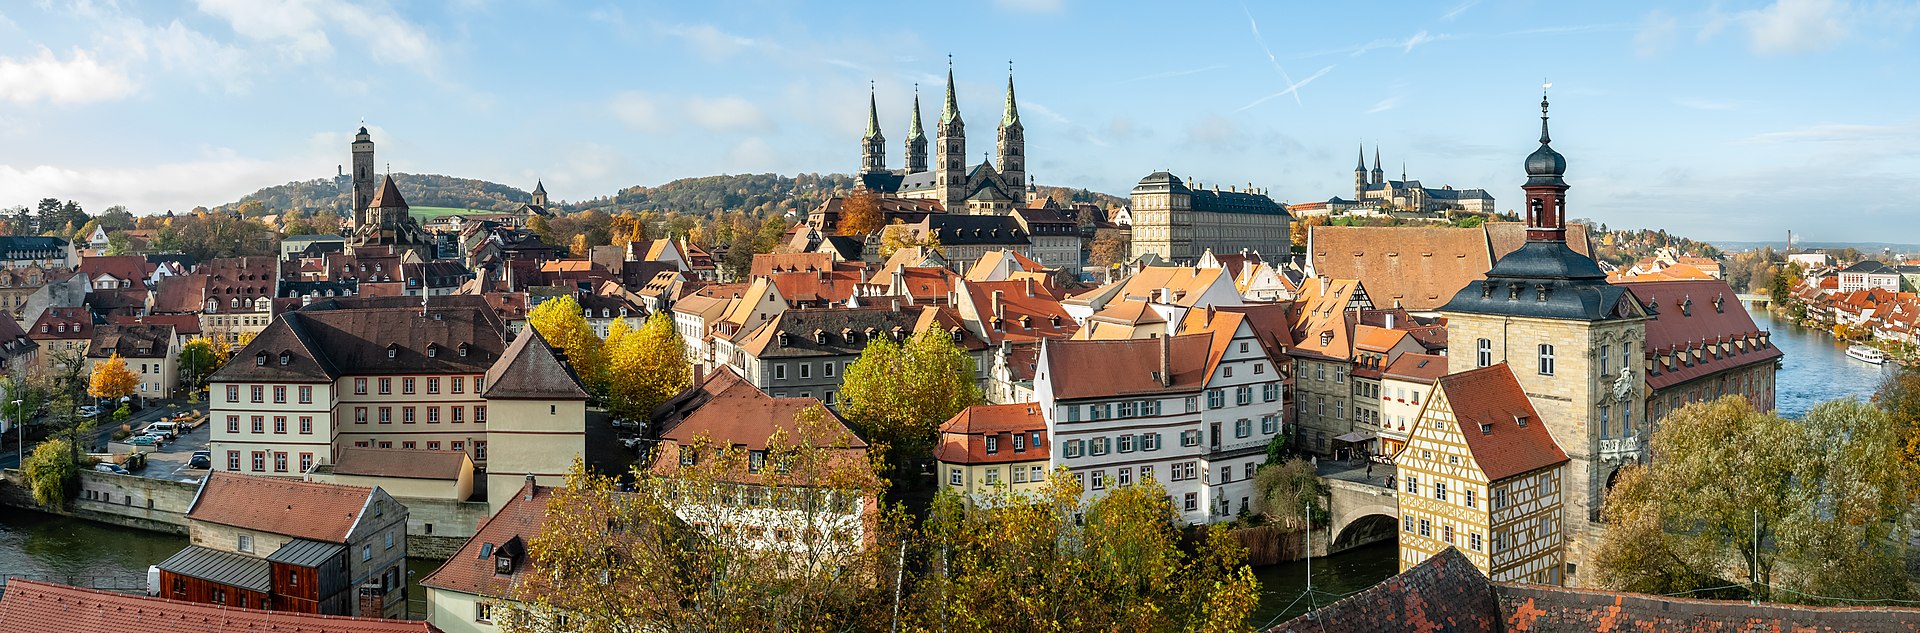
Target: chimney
x,y
530,487
1029,281
1389,319
699,372
999,310
1166,361
894,305
373,601
1323,285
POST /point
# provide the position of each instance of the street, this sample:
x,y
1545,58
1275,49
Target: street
x,y
99,441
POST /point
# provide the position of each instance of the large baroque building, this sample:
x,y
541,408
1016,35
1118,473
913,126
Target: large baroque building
x,y
981,189
1179,222
1372,188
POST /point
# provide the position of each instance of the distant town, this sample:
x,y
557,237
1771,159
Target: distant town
x,y
940,396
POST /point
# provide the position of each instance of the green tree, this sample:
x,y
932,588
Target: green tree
x,y
1810,507
1043,560
1282,492
199,358
50,470
563,324
899,394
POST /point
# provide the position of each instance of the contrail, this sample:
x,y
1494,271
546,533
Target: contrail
x,y
1293,89
1262,41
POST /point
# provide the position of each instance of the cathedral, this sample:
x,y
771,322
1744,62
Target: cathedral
x,y
381,219
981,190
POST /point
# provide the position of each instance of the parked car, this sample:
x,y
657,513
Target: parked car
x,y
201,459
148,440
110,468
170,429
88,411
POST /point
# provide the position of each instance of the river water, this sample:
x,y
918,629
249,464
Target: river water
x,y
1814,370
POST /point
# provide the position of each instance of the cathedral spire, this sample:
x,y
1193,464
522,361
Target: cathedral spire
x,y
952,110
914,130
1361,165
1012,115
873,113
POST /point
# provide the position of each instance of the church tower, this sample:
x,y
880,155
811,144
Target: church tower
x,y
1013,144
873,146
916,139
539,193
1360,176
363,184
950,174
1379,175
1573,341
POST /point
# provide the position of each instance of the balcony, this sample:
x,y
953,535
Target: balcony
x,y
1628,447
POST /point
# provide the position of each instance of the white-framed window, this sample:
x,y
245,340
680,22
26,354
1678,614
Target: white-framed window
x,y
482,612
779,372
806,370
1546,359
993,444
1483,352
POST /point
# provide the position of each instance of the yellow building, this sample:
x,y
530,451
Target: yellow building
x,y
991,447
1481,473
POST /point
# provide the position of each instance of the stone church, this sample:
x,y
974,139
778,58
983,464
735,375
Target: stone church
x,y
982,189
1372,188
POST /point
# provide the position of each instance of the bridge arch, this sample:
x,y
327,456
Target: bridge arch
x,y
1361,514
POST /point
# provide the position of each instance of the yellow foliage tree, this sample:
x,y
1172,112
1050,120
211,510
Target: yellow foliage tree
x,y
644,366
563,324
112,379
898,236
625,229
860,214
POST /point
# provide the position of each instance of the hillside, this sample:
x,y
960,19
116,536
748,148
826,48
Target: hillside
x,y
420,190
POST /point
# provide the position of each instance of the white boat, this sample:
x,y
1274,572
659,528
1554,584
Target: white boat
x,y
1867,354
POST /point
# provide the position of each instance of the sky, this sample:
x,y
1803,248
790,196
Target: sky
x,y
1725,121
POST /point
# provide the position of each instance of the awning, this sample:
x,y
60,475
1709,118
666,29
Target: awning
x,y
1355,437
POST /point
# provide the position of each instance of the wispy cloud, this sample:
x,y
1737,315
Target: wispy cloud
x,y
1697,103
1657,33
708,41
1406,45
1292,89
1457,10
1174,73
1839,133
80,78
1384,105
1795,26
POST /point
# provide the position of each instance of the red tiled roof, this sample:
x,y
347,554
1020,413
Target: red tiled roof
x,y
467,572
63,323
963,438
824,287
1698,323
133,268
1491,397
1444,593
1040,308
36,607
769,263
1420,368
1099,368
301,509
741,415
403,464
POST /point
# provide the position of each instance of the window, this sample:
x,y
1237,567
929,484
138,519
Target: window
x,y
233,393
826,369
306,395
406,386
1483,352
406,415
1446,533
1499,498
993,476
480,410
1124,477
386,386
1099,446
1189,438
1546,360
1036,473
1469,497
233,460
1146,473
459,414
1192,501
480,451
233,424
459,384
257,393
433,415
389,540
1426,528
1473,541
1099,480
806,370
433,446
779,372
1227,371
359,386
359,415
1340,375
1413,484
954,477
1243,395
993,444
259,461
279,394
1269,424
1440,490
386,415
1193,404
280,424
1242,427
1270,392
245,543
1603,361
1019,443
433,385
259,424
1406,523
366,552
1216,398
1606,421
279,462
1150,441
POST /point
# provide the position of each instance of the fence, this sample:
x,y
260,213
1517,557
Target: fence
x,y
121,584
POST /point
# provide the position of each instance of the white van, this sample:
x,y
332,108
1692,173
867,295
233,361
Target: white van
x,y
169,429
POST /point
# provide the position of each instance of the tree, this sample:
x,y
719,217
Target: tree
x,y
1107,252
563,324
626,228
111,379
899,394
681,551
199,358
1045,561
645,367
860,214
1302,226
1283,491
898,236
1899,396
1809,506
50,468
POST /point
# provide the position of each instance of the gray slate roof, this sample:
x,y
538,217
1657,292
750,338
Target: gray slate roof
x,y
1545,280
532,369
234,570
304,553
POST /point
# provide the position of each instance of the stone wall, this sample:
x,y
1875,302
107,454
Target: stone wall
x,y
156,505
436,528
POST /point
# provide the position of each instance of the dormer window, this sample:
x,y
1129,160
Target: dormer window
x,y
463,349
260,359
1326,338
286,357
502,564
393,351
433,350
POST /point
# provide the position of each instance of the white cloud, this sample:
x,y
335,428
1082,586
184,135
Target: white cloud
x,y
219,178
1461,8
709,41
1384,105
637,111
727,114
295,28
1795,26
752,155
1657,33
1840,133
1032,6
45,77
1292,89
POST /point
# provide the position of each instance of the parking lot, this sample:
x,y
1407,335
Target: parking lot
x,y
169,461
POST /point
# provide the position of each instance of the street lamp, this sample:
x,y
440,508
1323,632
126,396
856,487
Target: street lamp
x,y
19,427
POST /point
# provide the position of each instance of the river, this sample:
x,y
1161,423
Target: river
x,y
1816,369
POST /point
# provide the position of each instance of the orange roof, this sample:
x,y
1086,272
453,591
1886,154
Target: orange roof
x,y
1103,369
1039,303
741,415
301,509
566,266
1418,267
1377,339
964,436
768,263
468,572
1490,398
1321,327
1420,368
30,606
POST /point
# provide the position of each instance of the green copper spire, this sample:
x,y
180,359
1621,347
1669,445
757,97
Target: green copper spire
x,y
873,113
914,130
952,112
1012,115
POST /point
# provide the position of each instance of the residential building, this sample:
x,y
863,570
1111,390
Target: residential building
x,y
18,352
471,591
64,331
1869,273
1054,234
1374,348
1405,386
1323,318
967,238
17,285
990,448
540,411
1178,222
286,545
1700,344
150,350
1126,308
438,475
805,353
48,253
1549,310
31,606
825,219
1481,471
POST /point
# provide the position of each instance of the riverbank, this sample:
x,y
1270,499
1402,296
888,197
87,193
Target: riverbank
x,y
1898,354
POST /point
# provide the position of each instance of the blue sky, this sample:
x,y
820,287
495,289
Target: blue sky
x,y
1735,120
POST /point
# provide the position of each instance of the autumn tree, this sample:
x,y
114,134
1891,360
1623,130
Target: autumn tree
x,y
1304,225
1283,492
561,321
898,394
899,235
1107,252
1899,396
626,228
1803,507
727,539
111,379
1044,560
49,470
860,214
645,367
199,358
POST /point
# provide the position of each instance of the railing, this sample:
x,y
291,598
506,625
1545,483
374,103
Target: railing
x,y
121,584
1620,447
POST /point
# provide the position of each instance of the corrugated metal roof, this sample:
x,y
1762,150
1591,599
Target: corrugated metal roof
x,y
304,553
233,570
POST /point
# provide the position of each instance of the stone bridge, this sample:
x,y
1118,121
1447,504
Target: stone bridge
x,y
1365,510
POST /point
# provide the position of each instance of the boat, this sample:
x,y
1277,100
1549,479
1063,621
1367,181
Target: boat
x,y
1866,354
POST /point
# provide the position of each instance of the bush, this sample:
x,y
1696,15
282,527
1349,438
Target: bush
x,y
49,470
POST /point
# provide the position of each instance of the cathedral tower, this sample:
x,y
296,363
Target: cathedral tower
x,y
1379,175
950,174
916,139
1013,144
363,184
1360,177
873,146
